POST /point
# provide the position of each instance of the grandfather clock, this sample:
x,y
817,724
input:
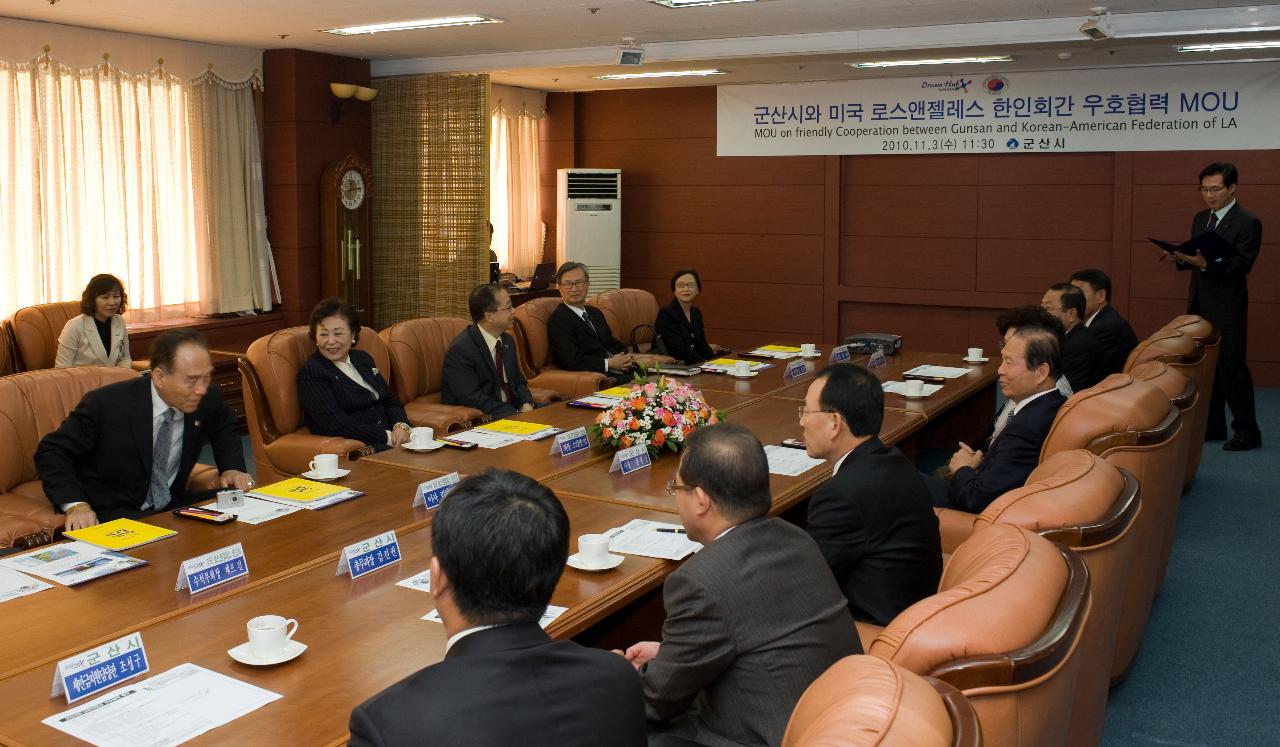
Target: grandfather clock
x,y
346,241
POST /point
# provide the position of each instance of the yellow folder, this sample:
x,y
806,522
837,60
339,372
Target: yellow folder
x,y
616,391
513,427
299,489
120,534
778,349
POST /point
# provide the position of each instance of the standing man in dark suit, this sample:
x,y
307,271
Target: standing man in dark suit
x,y
500,541
1220,293
128,448
1111,330
752,619
1032,362
1083,361
579,335
480,368
873,520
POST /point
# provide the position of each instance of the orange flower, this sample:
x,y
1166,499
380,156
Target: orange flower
x,y
688,429
690,416
606,432
637,404
668,418
626,442
659,438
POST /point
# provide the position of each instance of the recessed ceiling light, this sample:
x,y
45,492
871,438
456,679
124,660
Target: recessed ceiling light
x,y
939,61
667,74
424,23
695,3
1228,46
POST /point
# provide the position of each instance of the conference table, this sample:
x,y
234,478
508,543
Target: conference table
x,y
366,634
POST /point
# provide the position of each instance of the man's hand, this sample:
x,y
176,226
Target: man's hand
x,y
80,517
1195,260
526,407
620,362
648,361
399,436
234,478
964,457
641,652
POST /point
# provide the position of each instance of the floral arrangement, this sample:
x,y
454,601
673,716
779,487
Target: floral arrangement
x,y
658,414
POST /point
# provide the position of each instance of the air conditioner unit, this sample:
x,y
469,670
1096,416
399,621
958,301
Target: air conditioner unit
x,y
589,223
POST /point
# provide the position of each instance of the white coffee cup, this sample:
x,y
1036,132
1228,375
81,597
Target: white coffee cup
x,y
741,368
975,353
324,465
808,348
421,436
268,635
593,549
915,388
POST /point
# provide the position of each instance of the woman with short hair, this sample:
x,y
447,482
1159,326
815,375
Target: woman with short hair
x,y
97,336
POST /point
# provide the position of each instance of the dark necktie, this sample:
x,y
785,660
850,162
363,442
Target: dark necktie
x,y
1213,222
502,372
158,494
587,318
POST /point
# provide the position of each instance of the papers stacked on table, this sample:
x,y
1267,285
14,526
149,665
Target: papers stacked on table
x,y
725,365
71,563
777,352
641,537
900,387
788,461
501,433
605,398
255,511
14,585
946,372
303,493
120,534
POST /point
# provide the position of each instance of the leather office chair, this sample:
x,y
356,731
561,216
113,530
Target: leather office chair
x,y
534,352
1079,500
630,313
1131,424
1005,629
36,330
8,353
282,445
416,348
865,701
1204,333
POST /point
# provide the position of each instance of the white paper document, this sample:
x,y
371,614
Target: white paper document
x,y
946,372
255,510
900,387
641,537
14,585
547,617
602,401
71,563
485,439
420,582
167,709
780,355
789,462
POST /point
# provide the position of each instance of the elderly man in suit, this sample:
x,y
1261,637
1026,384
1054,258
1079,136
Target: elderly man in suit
x,y
1111,330
480,368
579,334
500,541
128,448
873,520
752,619
1219,292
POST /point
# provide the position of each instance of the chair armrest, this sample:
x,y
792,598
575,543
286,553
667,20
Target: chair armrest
x,y
955,527
571,383
545,396
203,477
292,454
141,366
442,418
867,633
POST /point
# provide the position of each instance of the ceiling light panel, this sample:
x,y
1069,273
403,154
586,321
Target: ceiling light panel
x,y
1229,46
424,23
696,3
937,61
667,74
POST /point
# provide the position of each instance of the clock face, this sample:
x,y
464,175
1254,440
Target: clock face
x,y
352,189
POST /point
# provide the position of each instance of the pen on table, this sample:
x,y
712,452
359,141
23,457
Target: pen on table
x,y
669,531
923,377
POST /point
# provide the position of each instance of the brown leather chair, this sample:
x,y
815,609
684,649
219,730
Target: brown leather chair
x,y
31,405
417,348
1204,333
282,445
534,351
630,313
1005,629
865,701
8,353
1079,500
1131,424
36,330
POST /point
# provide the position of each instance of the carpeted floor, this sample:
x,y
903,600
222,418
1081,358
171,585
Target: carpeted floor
x,y
1208,672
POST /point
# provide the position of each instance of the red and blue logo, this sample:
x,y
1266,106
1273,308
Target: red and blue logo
x,y
996,84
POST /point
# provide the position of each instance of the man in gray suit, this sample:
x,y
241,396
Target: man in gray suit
x,y
752,619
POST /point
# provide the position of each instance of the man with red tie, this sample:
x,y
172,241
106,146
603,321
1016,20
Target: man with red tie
x,y
480,368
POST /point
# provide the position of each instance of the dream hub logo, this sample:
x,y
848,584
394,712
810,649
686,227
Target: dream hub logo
x,y
951,84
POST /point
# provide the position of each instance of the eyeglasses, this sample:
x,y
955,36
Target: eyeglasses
x,y
1211,190
508,307
686,286
573,283
801,411
672,488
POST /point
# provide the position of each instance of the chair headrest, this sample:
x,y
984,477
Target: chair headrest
x,y
1070,488
417,348
1117,404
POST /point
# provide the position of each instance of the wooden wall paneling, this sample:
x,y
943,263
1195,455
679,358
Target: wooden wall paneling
x,y
646,114
689,161
717,257
922,263
929,328
1066,169
557,141
796,209
891,172
832,256
1032,265
1121,242
1037,211
948,211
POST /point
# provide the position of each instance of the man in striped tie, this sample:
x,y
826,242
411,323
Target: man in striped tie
x,y
480,368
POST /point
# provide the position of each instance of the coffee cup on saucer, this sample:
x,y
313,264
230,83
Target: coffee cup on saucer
x,y
808,349
324,466
270,635
915,388
593,554
742,368
975,354
421,437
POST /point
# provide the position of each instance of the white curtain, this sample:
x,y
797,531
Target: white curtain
x,y
513,178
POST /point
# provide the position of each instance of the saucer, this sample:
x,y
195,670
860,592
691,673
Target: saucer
x,y
811,357
748,375
420,449
976,360
243,654
613,562
326,478
914,396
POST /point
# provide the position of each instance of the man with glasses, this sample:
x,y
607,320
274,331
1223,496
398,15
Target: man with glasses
x,y
480,368
752,619
128,448
579,335
1084,362
874,519
1220,293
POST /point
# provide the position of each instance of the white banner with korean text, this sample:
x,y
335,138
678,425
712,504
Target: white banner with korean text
x,y
1229,106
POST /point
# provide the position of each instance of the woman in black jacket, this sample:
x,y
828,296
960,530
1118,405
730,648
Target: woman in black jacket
x,y
679,323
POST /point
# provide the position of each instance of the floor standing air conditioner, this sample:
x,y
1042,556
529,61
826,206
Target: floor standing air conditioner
x,y
589,223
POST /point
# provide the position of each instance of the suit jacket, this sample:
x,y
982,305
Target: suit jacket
x,y
471,378
575,346
752,619
1220,292
1083,361
102,452
510,685
1009,459
334,405
683,338
81,345
1115,335
874,522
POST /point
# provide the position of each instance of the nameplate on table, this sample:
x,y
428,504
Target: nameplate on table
x,y
212,568
430,493
365,557
877,359
630,460
839,354
98,668
794,370
571,442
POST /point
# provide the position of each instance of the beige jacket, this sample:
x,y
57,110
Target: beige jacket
x,y
80,345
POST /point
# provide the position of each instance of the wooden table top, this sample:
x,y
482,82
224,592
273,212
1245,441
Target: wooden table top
x,y
362,636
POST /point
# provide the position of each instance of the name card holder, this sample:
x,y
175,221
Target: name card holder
x,y
794,370
365,557
631,460
570,442
877,359
431,492
839,354
99,668
212,568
